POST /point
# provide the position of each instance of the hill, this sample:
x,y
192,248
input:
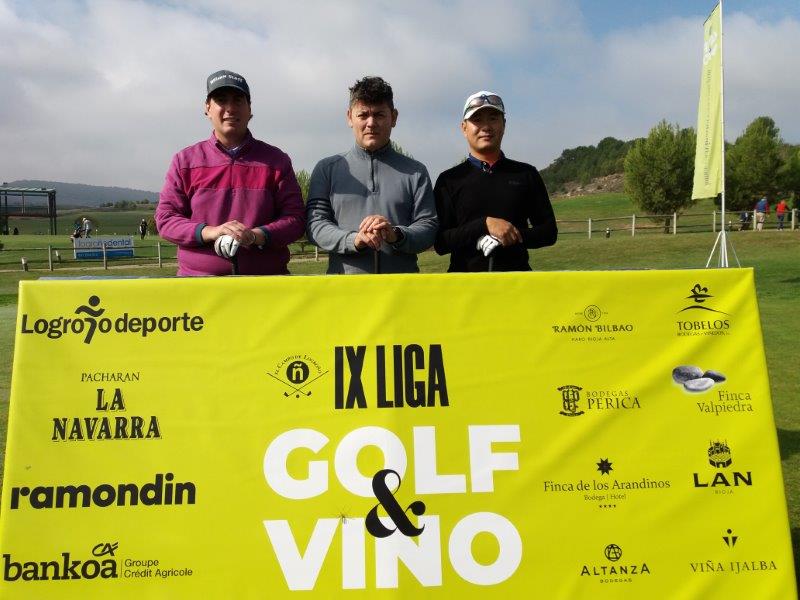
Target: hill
x,y
585,163
79,194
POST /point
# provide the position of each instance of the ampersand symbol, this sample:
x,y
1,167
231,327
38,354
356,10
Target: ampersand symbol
x,y
398,516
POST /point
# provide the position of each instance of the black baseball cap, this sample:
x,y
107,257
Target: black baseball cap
x,y
223,79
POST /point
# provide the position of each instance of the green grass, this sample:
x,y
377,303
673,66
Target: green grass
x,y
774,255
110,222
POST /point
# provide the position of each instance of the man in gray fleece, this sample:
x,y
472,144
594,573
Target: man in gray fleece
x,y
371,199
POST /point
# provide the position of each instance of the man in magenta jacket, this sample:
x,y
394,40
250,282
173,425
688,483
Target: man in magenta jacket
x,y
231,185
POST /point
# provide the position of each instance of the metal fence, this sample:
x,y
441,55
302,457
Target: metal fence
x,y
674,223
157,254
53,257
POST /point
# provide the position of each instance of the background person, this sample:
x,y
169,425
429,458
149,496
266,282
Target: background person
x,y
780,212
230,185
142,228
762,210
371,198
490,204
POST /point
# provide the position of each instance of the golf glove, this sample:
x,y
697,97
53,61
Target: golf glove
x,y
226,246
487,244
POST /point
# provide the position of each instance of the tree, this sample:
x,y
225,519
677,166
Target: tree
x,y
789,174
399,149
752,164
303,179
659,170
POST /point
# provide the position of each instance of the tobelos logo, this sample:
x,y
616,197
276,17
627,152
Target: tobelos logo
x,y
700,294
94,321
386,498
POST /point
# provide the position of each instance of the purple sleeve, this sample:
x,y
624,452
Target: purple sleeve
x,y
290,222
174,212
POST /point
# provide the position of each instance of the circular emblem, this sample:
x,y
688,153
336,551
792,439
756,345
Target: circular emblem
x,y
297,372
613,552
592,312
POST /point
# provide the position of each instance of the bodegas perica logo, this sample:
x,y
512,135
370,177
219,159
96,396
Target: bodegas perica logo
x,y
576,400
90,319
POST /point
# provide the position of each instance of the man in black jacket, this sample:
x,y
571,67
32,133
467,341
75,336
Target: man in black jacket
x,y
490,206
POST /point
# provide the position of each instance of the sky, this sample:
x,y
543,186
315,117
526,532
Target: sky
x,y
104,92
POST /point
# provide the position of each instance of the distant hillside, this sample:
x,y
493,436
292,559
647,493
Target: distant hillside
x,y
79,194
586,163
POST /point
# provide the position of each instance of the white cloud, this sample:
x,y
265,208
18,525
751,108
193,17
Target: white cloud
x,y
105,92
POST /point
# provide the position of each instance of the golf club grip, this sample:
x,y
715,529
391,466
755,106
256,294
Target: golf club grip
x,y
235,264
491,264
376,267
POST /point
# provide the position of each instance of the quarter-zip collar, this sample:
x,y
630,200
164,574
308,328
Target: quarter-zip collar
x,y
233,153
369,154
371,157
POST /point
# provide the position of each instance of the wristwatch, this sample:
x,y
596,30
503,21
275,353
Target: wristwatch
x,y
400,236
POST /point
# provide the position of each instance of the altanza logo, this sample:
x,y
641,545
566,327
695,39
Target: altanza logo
x,y
65,567
94,321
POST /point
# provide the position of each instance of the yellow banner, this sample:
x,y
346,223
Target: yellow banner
x,y
550,435
708,168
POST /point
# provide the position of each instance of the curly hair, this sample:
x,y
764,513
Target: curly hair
x,y
372,90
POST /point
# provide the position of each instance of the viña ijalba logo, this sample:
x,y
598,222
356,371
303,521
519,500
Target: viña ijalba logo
x,y
102,564
90,319
701,318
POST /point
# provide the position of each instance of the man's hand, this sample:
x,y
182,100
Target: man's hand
x,y
226,246
367,240
487,244
380,225
505,232
238,231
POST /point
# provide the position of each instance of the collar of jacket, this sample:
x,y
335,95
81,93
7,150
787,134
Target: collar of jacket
x,y
479,164
367,154
248,139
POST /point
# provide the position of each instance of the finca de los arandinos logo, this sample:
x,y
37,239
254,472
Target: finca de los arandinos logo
x,y
90,318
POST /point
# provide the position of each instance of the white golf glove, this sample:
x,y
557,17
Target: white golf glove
x,y
487,244
226,246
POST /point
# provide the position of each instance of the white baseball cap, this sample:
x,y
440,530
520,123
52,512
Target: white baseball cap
x,y
482,99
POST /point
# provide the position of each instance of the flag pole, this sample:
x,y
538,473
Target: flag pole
x,y
722,238
723,255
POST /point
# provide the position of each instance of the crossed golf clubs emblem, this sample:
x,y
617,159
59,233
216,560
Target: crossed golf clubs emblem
x,y
296,389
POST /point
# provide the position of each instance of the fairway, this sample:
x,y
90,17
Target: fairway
x,y
773,255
